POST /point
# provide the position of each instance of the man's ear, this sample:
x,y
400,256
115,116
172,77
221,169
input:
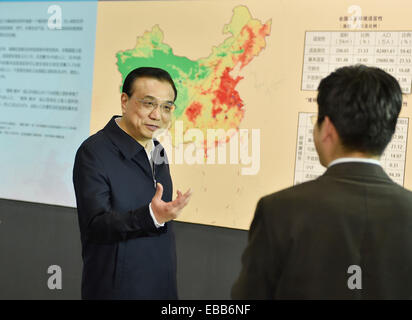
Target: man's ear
x,y
124,98
329,130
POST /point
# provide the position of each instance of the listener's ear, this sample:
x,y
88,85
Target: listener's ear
x,y
329,131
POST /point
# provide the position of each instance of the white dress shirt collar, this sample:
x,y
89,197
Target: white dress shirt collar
x,y
363,160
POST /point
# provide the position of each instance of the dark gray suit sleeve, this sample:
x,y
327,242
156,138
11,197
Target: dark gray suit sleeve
x,y
98,222
260,269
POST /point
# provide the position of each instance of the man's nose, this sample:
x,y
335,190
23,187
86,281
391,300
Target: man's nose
x,y
155,114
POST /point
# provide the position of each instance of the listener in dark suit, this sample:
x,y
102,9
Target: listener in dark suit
x,y
124,197
347,234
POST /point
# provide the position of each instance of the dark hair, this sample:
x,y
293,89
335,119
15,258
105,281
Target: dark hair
x,y
363,103
146,72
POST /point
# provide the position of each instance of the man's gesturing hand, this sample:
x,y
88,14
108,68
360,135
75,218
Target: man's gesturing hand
x,y
166,211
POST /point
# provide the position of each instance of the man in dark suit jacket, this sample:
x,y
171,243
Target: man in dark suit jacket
x,y
124,191
347,234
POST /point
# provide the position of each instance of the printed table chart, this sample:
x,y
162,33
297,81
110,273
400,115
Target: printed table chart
x,y
307,166
327,51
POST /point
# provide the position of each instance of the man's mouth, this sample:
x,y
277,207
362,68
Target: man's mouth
x,y
152,127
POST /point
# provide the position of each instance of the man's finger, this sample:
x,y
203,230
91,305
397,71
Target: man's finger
x,y
187,195
159,191
188,192
180,195
187,198
180,202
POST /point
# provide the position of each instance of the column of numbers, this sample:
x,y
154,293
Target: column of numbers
x,y
307,166
327,51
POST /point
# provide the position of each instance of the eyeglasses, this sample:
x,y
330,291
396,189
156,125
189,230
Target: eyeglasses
x,y
166,108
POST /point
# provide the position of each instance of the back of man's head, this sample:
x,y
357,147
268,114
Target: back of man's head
x,y
363,103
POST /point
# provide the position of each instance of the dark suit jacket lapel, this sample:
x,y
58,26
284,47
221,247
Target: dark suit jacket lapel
x,y
130,148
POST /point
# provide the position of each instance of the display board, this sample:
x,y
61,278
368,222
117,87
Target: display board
x,y
246,74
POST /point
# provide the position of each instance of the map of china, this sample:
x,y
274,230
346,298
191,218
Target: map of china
x,y
207,96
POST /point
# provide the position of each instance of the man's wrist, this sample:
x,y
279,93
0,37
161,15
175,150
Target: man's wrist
x,y
157,224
